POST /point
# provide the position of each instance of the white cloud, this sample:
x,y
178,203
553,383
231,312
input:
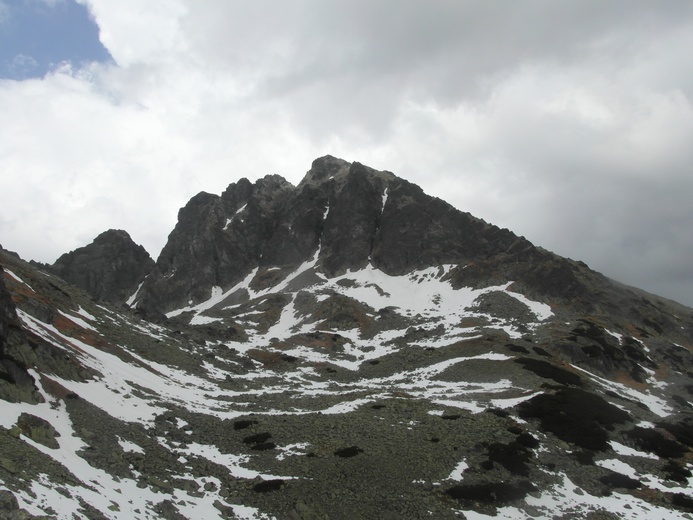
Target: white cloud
x,y
140,32
573,134
22,63
4,12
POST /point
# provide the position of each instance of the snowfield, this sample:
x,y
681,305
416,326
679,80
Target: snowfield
x,y
434,350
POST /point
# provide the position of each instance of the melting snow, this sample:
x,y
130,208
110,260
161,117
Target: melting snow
x,y
133,297
78,321
135,391
85,314
656,404
16,277
129,446
568,499
292,450
622,449
457,473
203,320
229,220
233,463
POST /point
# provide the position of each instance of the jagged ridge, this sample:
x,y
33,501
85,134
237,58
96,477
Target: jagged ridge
x,y
350,214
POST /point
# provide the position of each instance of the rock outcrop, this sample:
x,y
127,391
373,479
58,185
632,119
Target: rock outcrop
x,y
16,385
349,215
110,269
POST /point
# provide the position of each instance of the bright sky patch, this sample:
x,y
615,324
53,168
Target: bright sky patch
x,y
37,37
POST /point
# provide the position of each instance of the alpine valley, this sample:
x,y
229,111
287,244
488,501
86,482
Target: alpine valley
x,y
348,348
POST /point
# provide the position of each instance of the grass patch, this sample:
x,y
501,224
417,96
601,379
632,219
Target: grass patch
x,y
517,348
528,440
498,412
677,472
683,430
540,351
584,457
257,438
263,446
683,501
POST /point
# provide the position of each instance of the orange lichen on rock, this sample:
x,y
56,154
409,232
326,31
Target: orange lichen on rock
x,y
69,328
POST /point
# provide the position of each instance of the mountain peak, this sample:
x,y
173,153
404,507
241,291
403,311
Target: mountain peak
x,y
323,169
329,168
113,235
342,216
109,269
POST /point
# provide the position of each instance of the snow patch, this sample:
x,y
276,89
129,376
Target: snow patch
x,y
457,473
230,220
17,278
133,297
622,449
78,321
129,446
656,404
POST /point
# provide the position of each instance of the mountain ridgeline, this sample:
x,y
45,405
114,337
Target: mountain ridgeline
x,y
347,216
348,348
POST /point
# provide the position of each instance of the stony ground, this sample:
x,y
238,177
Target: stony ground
x,y
357,397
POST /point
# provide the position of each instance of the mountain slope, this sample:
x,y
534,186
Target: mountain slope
x,y
430,366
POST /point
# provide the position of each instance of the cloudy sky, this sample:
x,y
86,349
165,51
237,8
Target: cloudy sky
x,y
567,122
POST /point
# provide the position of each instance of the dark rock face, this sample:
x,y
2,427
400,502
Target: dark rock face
x,y
15,383
110,268
218,240
8,315
349,214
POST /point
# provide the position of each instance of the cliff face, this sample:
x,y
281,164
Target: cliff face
x,y
344,216
349,215
110,268
16,385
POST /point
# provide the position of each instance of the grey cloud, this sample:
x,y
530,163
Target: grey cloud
x,y
359,61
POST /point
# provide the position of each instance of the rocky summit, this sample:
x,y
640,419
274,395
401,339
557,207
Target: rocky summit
x,y
348,348
110,268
